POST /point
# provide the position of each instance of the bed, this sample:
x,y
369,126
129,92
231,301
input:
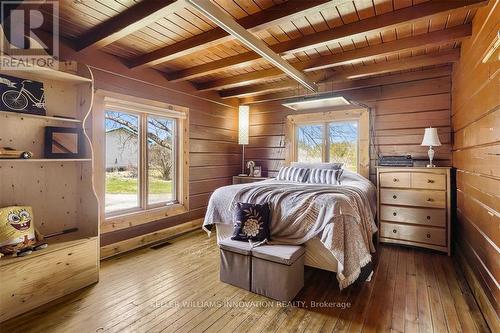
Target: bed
x,y
335,222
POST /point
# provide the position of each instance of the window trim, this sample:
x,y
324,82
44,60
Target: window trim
x,y
325,118
105,100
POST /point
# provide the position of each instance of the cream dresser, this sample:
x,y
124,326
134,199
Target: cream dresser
x,y
414,206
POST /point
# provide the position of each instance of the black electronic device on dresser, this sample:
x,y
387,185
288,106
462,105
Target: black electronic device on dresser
x,y
396,161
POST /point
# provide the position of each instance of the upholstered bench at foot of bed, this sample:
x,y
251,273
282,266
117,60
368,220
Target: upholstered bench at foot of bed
x,y
235,263
278,271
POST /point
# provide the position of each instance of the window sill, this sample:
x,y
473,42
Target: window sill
x,y
130,219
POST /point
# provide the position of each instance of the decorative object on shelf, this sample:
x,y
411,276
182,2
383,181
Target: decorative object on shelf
x,y
18,235
431,139
11,153
63,142
396,161
257,172
243,131
24,96
251,168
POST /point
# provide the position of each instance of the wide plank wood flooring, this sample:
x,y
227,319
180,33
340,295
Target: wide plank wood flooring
x,y
176,288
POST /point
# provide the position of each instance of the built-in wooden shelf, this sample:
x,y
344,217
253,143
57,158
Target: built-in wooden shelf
x,y
40,73
45,160
35,116
55,244
59,191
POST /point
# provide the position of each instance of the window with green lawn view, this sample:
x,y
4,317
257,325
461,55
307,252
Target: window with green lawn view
x,y
140,161
329,142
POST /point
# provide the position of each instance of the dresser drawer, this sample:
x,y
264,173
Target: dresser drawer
x,y
423,198
429,181
395,179
435,236
425,216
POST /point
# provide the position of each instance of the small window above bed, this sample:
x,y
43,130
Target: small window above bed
x,y
336,136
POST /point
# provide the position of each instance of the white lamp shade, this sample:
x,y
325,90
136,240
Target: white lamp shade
x,y
431,137
243,122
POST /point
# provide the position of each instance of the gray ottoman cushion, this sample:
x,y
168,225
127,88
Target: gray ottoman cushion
x,y
235,263
278,271
282,254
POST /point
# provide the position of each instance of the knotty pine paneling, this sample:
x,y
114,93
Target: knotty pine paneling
x,y
476,156
400,112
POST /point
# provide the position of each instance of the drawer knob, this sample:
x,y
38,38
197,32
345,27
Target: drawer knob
x,y
430,199
430,181
394,196
394,214
394,230
428,217
428,235
395,180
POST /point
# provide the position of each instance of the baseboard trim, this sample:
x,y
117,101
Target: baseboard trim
x,y
110,250
488,310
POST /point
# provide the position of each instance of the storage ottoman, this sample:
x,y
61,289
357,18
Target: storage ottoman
x,y
235,263
278,271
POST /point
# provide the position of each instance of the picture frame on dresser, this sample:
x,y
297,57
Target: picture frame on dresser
x,y
414,206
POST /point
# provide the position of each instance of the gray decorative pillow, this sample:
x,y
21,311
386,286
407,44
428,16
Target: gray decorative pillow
x,y
324,176
329,166
293,174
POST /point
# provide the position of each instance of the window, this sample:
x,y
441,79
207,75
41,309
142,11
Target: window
x,y
310,143
336,136
342,143
122,161
144,156
329,142
161,157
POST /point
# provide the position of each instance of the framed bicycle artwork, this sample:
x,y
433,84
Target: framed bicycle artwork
x,y
20,95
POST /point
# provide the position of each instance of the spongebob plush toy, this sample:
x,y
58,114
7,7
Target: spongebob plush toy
x,y
17,231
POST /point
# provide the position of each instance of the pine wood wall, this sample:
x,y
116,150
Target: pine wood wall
x,y
402,105
476,156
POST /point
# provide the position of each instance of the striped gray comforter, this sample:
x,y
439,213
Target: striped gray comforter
x,y
342,216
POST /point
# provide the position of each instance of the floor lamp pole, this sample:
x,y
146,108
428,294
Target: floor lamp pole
x,y
243,162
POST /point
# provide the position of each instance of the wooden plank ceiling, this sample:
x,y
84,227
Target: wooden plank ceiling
x,y
330,40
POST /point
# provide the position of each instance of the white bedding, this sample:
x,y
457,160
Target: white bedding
x,y
326,241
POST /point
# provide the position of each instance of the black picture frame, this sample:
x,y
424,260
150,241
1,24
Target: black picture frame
x,y
64,142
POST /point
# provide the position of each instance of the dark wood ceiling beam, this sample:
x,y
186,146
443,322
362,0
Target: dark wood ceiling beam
x,y
339,76
226,22
366,53
342,87
360,28
259,21
127,22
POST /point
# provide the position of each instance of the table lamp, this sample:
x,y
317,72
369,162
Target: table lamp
x,y
431,139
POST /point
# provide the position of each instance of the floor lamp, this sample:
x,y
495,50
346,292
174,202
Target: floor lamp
x,y
243,129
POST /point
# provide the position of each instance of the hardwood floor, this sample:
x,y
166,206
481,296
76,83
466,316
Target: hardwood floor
x,y
176,288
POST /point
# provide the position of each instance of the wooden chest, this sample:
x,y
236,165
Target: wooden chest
x,y
414,206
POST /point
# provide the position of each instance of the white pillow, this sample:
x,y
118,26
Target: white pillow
x,y
293,174
329,166
324,176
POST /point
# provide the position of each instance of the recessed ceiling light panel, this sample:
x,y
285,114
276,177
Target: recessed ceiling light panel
x,y
316,102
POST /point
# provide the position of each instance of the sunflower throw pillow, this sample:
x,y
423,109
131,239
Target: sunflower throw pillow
x,y
251,222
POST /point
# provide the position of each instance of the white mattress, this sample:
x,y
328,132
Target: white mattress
x,y
317,254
